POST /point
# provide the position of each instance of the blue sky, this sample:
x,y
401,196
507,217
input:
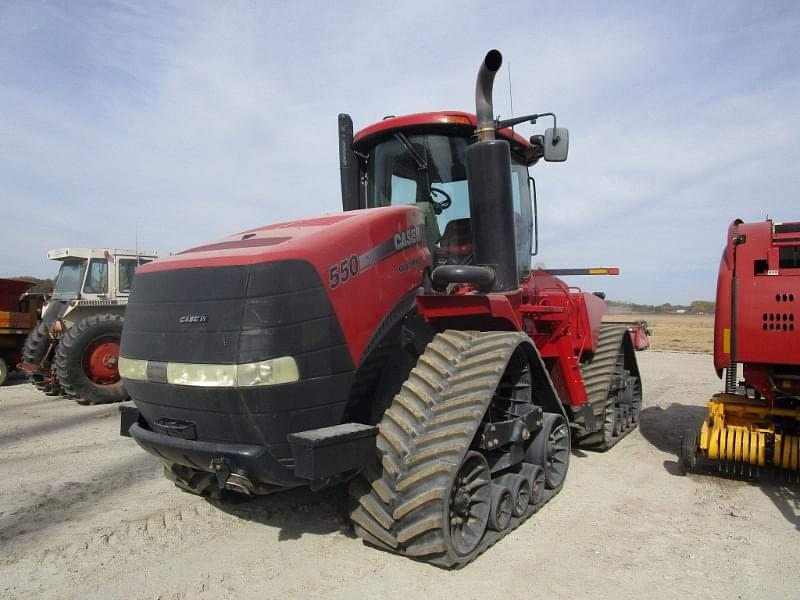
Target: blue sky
x,y
191,121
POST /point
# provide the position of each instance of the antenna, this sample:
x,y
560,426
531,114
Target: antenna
x,y
136,234
510,95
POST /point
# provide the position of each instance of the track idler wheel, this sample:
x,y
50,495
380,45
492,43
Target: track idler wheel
x,y
550,449
471,502
502,508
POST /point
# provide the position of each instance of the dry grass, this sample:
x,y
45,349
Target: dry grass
x,y
675,333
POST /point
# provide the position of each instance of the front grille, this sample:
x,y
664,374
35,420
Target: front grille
x,y
236,314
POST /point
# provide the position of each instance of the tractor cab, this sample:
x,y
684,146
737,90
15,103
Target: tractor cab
x,y
96,273
420,160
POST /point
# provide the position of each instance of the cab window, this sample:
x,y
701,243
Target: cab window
x,y
97,277
127,267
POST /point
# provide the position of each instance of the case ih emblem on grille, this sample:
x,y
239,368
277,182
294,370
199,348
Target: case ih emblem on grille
x,y
193,319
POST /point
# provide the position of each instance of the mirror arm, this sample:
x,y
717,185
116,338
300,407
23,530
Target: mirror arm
x,y
530,118
505,123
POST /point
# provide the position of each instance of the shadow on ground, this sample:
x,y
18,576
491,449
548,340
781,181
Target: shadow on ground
x,y
295,512
664,427
15,378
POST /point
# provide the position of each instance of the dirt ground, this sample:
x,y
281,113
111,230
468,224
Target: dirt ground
x,y
675,333
85,513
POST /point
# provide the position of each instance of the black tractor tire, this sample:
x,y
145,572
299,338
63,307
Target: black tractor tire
x,y
3,371
36,344
38,341
71,360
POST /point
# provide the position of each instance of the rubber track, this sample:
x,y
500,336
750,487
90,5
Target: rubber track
x,y
597,378
401,503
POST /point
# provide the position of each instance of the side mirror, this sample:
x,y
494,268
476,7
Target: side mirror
x,y
556,144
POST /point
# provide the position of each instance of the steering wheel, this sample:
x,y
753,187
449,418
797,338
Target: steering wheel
x,y
438,207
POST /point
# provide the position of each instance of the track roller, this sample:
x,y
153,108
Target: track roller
x,y
502,508
520,489
535,476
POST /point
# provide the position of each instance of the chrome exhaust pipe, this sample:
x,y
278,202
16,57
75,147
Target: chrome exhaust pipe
x,y
483,94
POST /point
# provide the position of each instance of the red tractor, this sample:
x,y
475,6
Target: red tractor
x,y
755,423
404,346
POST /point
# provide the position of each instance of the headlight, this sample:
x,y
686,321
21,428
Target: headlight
x,y
268,372
132,368
273,371
201,375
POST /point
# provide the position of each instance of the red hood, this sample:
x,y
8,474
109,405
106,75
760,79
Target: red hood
x,y
300,239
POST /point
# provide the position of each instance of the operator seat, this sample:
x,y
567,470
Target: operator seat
x,y
455,247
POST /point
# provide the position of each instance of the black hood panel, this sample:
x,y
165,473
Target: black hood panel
x,y
236,314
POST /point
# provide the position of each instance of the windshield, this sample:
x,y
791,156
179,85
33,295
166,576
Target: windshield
x,y
69,279
429,172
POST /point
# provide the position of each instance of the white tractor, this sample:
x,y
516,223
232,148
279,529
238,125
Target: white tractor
x,y
74,349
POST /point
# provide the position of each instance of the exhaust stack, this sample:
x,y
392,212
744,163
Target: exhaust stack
x,y
484,110
490,194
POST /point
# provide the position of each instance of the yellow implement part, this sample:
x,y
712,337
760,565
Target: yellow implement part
x,y
743,430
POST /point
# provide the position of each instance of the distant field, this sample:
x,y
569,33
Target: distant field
x,y
675,333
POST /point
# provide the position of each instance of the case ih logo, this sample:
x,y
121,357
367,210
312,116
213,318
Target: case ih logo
x,y
406,238
193,319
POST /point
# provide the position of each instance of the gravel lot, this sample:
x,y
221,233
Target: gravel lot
x,y
85,513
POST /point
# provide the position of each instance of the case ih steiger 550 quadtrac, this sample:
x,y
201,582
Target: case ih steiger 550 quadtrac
x,y
404,346
74,349
755,423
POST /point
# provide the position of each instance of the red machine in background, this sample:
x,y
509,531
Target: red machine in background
x,y
18,315
756,421
404,346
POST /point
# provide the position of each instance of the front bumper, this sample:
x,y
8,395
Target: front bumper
x,y
246,460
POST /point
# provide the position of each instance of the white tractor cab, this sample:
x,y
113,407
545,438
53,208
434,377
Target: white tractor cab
x,y
74,349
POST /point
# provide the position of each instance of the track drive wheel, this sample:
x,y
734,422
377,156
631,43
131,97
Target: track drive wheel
x,y
86,360
550,449
429,493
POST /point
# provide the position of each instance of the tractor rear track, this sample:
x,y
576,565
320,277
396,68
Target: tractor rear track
x,y
598,377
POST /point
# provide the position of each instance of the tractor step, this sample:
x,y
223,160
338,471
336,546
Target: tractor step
x,y
322,453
